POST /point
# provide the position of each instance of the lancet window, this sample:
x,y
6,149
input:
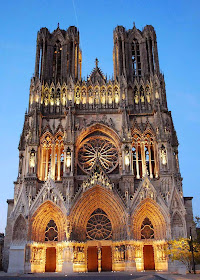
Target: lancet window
x,y
52,157
143,154
136,63
150,55
57,60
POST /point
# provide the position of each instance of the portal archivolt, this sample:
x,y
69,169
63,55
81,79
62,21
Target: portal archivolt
x,y
94,200
148,221
48,223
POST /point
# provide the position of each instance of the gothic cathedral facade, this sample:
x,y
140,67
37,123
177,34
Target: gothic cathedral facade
x,y
99,186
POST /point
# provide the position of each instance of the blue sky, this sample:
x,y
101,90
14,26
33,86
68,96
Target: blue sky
x,y
177,24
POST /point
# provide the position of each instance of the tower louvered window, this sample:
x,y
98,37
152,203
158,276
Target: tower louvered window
x,y
136,62
57,60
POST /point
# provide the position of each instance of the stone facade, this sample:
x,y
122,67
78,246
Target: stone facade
x,y
98,162
1,250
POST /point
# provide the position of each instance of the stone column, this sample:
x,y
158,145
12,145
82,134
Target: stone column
x,y
137,163
46,165
41,163
143,160
58,159
130,258
155,161
67,266
150,165
99,259
53,161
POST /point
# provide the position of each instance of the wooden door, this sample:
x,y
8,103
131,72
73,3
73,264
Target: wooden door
x,y
92,258
149,263
106,258
50,259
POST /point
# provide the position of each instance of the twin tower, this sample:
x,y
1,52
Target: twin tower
x,y
59,57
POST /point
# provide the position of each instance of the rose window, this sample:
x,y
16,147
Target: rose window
x,y
147,230
99,226
100,148
51,232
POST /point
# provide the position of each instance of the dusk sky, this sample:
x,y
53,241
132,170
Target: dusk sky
x,y
177,24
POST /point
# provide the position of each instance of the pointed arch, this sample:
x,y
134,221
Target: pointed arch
x,y
145,158
88,202
177,226
43,215
19,229
148,208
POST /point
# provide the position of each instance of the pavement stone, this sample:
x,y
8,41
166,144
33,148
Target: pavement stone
x,y
98,276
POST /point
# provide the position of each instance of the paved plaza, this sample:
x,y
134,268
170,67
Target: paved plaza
x,y
97,276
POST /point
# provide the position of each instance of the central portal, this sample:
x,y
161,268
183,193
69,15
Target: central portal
x,y
50,259
106,258
92,259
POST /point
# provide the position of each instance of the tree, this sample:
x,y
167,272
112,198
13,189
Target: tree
x,y
180,250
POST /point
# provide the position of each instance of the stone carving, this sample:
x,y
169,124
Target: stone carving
x,y
37,255
147,192
79,254
163,155
97,177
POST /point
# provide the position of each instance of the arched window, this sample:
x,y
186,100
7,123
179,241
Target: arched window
x,y
57,60
150,55
51,232
59,157
51,96
51,157
99,226
136,63
147,230
142,94
143,152
58,97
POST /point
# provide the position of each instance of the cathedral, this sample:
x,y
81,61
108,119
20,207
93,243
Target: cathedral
x,y
98,186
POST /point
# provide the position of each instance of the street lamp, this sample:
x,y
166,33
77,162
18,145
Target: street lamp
x,y
192,250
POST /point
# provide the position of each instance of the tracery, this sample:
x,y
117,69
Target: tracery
x,y
144,156
52,157
99,226
97,148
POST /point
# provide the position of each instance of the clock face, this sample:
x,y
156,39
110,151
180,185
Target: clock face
x,y
98,147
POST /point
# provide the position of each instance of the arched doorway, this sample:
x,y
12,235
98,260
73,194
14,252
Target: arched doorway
x,y
150,229
98,218
99,228
50,265
148,254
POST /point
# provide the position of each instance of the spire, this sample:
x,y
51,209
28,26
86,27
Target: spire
x,y
58,25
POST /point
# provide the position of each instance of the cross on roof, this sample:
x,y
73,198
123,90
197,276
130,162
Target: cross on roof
x,y
96,62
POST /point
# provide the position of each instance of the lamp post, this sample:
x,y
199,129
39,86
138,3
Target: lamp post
x,y
192,250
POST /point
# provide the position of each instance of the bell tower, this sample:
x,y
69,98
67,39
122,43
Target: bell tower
x,y
58,55
135,52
